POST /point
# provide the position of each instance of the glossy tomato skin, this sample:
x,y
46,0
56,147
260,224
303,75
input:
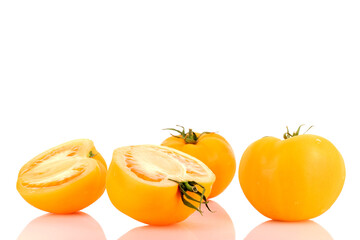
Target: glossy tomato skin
x,y
294,179
213,150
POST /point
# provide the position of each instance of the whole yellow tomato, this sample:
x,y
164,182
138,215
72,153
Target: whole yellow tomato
x,y
210,148
294,179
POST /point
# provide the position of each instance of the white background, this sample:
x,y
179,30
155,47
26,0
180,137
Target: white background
x,y
117,72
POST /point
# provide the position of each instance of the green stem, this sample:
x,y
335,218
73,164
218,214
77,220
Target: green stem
x,y
288,135
90,155
190,186
190,137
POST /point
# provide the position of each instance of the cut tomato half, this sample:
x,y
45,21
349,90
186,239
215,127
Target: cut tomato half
x,y
157,185
64,179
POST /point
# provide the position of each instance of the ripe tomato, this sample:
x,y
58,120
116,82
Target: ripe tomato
x,y
293,179
210,148
64,179
157,185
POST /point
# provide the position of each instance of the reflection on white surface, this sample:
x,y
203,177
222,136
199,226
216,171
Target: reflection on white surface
x,y
76,226
210,226
275,230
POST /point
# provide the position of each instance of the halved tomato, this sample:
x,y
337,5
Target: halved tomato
x,y
64,179
157,185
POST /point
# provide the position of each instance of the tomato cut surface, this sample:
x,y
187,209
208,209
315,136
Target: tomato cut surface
x,y
141,182
64,179
54,169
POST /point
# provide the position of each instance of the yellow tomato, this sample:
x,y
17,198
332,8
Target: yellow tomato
x,y
294,179
152,184
210,148
64,179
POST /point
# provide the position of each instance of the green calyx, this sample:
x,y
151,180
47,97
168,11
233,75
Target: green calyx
x,y
288,135
189,137
191,186
90,155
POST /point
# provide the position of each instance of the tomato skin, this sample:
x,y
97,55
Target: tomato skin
x,y
213,150
294,179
